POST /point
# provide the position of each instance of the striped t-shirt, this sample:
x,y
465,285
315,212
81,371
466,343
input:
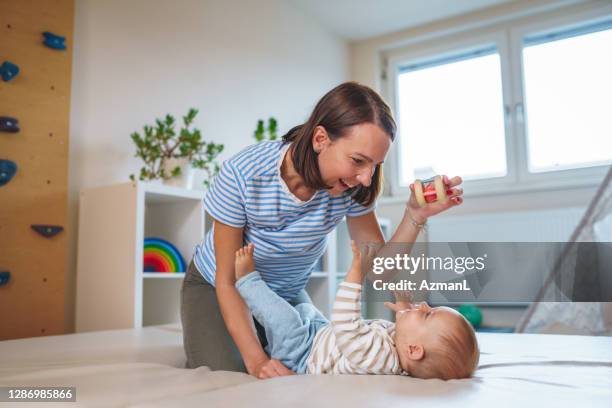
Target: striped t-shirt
x,y
289,234
352,345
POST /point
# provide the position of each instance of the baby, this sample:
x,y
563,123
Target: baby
x,y
423,342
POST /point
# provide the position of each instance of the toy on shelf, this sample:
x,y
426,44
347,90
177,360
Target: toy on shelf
x,y
8,70
430,190
8,124
472,314
54,41
161,256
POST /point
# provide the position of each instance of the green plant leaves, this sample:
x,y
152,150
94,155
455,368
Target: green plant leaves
x,y
161,142
260,130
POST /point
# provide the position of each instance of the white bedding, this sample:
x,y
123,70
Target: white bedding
x,y
110,368
143,367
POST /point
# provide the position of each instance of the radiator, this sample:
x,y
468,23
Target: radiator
x,y
552,225
524,275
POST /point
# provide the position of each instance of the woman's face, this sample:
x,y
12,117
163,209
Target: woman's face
x,y
350,160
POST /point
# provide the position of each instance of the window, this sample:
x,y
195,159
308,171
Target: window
x,y
446,107
521,106
567,98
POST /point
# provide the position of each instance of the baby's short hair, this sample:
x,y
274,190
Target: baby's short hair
x,y
453,355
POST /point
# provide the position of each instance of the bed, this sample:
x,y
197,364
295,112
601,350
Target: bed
x,y
144,368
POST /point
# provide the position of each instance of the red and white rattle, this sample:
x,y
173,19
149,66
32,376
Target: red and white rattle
x,y
431,190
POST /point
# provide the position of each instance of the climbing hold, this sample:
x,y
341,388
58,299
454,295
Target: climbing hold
x,y
8,124
54,41
8,70
7,171
47,231
5,276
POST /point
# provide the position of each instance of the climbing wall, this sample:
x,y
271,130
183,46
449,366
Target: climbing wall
x,y
33,203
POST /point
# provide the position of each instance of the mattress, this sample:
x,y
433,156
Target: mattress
x,y
144,368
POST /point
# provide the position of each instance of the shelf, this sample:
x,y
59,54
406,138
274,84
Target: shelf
x,y
163,275
119,217
161,194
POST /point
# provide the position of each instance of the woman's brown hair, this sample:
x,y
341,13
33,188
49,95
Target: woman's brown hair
x,y
346,105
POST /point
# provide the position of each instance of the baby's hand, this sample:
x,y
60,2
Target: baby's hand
x,y
403,301
403,298
356,255
354,274
394,307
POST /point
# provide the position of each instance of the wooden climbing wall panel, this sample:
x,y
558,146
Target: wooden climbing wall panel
x,y
32,302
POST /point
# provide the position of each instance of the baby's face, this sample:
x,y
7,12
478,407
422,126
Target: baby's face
x,y
420,323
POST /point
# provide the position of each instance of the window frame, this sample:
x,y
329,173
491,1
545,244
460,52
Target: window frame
x,y
508,38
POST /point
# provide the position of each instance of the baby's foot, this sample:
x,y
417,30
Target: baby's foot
x,y
244,261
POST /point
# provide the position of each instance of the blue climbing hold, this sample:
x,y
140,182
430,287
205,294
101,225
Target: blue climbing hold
x,y
5,276
8,124
8,70
47,231
54,41
7,171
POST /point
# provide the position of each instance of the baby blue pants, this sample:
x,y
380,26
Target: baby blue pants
x,y
290,331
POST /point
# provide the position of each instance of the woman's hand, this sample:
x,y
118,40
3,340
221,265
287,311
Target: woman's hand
x,y
270,368
421,214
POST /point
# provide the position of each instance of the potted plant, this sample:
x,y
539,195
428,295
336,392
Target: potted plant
x,y
260,131
172,156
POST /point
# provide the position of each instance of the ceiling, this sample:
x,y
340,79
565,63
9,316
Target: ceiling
x,y
360,19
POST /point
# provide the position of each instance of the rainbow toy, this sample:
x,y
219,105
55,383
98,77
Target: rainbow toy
x,y
162,256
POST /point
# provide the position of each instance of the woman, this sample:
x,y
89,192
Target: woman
x,y
285,197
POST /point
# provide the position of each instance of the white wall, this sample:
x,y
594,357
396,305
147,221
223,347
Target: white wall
x,y
236,61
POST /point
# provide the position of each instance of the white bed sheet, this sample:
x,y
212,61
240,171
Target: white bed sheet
x,y
155,344
143,368
114,368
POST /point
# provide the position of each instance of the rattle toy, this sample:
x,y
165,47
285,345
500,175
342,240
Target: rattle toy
x,y
430,190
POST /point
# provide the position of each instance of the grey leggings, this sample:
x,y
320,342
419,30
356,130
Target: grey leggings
x,y
205,337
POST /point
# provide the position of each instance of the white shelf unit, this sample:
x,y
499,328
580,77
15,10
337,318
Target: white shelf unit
x,y
337,258
113,292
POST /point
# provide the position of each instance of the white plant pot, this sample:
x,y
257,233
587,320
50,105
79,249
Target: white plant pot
x,y
185,179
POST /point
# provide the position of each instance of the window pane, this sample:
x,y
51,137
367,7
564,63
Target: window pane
x,y
568,85
451,119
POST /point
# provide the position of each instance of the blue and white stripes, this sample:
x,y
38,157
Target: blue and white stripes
x,y
289,234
